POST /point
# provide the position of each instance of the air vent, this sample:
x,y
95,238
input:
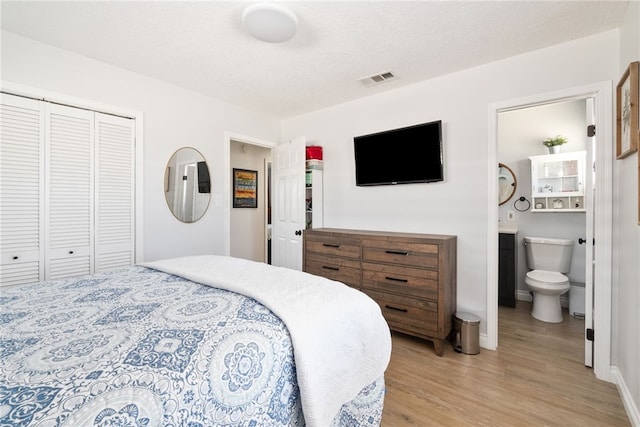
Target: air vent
x,y
376,79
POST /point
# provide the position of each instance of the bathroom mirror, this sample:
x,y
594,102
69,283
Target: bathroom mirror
x,y
506,183
187,185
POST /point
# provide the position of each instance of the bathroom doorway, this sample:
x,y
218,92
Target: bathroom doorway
x,y
520,135
597,218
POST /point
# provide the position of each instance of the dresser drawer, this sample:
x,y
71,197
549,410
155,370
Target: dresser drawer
x,y
334,268
405,253
402,280
335,246
407,314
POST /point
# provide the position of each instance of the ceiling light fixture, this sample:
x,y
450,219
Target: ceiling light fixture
x,y
270,22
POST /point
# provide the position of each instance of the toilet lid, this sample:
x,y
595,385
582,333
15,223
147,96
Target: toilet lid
x,y
547,276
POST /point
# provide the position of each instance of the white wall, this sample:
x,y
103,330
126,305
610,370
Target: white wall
x,y
520,135
626,238
458,205
173,118
248,225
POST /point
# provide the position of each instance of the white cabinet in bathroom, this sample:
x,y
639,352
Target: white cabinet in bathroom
x,y
558,182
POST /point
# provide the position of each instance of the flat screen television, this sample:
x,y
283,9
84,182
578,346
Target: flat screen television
x,y
407,155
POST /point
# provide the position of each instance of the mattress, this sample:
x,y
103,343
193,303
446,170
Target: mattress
x,y
143,347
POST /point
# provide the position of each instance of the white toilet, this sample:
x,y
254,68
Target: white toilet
x,y
547,259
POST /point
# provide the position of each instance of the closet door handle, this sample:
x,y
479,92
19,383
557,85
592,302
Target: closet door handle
x,y
326,267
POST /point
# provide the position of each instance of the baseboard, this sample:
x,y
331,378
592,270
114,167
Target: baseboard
x,y
484,341
629,405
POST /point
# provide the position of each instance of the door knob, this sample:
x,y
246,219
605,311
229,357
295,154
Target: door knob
x,y
298,233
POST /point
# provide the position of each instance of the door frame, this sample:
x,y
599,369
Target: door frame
x,y
603,206
226,182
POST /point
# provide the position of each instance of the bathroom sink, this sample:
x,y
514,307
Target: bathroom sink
x,y
508,228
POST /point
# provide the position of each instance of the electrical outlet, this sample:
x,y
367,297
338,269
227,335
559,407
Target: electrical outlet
x,y
511,216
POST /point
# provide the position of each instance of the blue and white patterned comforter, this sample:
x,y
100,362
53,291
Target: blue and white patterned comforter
x,y
140,347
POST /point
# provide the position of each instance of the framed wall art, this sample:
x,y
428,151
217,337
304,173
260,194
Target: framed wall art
x,y
627,112
245,188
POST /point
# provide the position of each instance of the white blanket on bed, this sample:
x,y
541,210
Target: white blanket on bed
x,y
341,341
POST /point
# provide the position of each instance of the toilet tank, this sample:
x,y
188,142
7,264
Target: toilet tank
x,y
548,254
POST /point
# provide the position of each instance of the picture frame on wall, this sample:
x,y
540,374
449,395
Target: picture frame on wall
x,y
245,188
627,115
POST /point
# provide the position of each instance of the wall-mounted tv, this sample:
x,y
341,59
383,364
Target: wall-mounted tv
x,y
407,155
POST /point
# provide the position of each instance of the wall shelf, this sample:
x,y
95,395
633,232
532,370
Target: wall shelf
x,y
557,182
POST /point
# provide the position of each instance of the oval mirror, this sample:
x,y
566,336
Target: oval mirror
x,y
187,185
506,184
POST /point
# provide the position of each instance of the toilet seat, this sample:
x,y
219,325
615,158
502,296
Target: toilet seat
x,y
547,286
550,279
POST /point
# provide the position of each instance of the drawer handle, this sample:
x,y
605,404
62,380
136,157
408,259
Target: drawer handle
x,y
394,279
404,310
326,267
15,257
397,252
330,245
70,252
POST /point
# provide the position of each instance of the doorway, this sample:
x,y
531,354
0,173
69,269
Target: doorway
x,y
597,299
520,135
247,229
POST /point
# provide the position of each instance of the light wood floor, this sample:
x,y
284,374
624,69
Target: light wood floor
x,y
536,377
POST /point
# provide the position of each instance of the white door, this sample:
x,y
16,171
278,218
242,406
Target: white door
x,y
288,217
69,192
21,190
589,253
114,192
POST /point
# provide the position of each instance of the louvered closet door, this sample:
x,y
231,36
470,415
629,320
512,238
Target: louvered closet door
x,y
21,190
114,192
69,184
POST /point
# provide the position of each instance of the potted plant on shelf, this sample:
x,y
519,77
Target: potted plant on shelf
x,y
554,143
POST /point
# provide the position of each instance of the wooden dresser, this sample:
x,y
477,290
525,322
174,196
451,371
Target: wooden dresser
x,y
411,276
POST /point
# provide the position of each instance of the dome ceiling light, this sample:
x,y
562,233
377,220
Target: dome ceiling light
x,y
270,22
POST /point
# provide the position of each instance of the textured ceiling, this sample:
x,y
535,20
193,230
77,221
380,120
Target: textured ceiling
x,y
200,45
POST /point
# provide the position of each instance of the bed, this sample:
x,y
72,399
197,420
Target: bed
x,y
193,341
